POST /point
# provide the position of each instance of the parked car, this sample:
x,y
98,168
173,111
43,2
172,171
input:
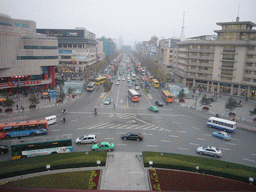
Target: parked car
x,y
153,108
132,136
104,146
107,101
209,150
159,103
4,149
222,134
86,139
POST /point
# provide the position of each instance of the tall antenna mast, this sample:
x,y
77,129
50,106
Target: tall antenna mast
x,y
182,35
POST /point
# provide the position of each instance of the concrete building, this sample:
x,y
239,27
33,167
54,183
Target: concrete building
x,y
77,50
27,59
109,47
226,64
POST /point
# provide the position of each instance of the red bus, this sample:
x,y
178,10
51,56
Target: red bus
x,y
133,95
23,128
167,96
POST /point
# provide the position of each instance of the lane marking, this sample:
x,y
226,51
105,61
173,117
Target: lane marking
x,y
151,145
55,130
195,128
121,144
175,122
183,148
108,138
235,139
74,120
194,144
165,141
173,136
53,126
150,127
224,148
158,117
253,154
200,139
248,160
111,115
231,144
182,131
207,135
99,124
147,133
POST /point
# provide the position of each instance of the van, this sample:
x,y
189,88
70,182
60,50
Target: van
x,y
51,119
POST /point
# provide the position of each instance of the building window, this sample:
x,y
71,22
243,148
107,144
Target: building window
x,y
254,80
247,79
248,72
36,57
249,64
251,48
228,64
229,48
253,36
226,78
65,57
228,57
249,56
227,72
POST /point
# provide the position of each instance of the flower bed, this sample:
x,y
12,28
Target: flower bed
x,y
170,180
87,180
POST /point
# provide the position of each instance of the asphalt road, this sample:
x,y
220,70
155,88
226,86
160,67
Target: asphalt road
x,y
173,129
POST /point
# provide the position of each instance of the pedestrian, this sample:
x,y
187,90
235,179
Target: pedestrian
x,y
22,108
17,107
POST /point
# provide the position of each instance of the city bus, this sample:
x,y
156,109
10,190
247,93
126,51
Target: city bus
x,y
155,83
30,147
221,124
91,86
100,80
150,78
133,95
167,96
23,128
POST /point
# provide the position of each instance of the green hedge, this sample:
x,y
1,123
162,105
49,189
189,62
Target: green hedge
x,y
56,161
207,166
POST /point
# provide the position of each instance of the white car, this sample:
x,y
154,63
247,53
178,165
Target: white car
x,y
86,139
123,79
137,87
117,83
209,150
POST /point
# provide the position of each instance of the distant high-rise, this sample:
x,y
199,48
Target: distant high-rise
x,y
120,42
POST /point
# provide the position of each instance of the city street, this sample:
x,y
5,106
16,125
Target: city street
x,y
173,129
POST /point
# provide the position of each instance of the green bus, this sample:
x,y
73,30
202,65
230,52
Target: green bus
x,y
30,147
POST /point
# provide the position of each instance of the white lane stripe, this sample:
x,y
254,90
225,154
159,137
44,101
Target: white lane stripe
x,y
108,138
74,120
121,144
183,148
147,133
200,139
248,160
165,141
195,128
56,130
149,127
235,139
151,145
53,125
253,154
207,134
230,144
173,136
224,148
95,125
175,122
182,131
194,144
139,126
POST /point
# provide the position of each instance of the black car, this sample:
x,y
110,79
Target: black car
x,y
3,149
159,103
132,136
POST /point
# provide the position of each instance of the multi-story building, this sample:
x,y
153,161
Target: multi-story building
x,y
77,49
165,54
99,50
27,59
109,47
226,65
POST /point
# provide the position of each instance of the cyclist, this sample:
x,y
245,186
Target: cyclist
x,y
64,120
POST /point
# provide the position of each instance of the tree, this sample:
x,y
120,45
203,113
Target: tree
x,y
62,95
181,94
205,101
8,103
70,91
231,104
33,100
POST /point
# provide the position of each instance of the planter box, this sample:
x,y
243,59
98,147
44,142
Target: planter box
x,y
182,101
232,114
8,110
206,108
32,107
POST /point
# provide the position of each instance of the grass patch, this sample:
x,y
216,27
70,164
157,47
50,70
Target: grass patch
x,y
71,180
186,162
56,161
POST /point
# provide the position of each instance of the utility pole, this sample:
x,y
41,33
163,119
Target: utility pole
x,y
182,35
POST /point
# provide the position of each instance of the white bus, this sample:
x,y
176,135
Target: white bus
x,y
91,86
221,124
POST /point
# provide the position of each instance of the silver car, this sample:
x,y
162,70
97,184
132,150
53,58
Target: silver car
x,y
209,150
86,139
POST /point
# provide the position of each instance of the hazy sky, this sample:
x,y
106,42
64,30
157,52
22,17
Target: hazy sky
x,y
134,20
